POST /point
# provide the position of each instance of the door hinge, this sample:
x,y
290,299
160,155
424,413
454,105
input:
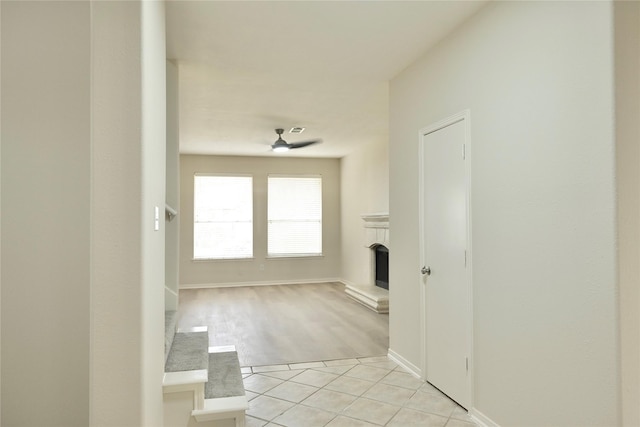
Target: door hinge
x,y
464,151
467,361
465,258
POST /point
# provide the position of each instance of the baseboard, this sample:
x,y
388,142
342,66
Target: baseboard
x,y
404,363
261,283
481,419
345,282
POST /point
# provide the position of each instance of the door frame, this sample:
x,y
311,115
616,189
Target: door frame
x,y
463,116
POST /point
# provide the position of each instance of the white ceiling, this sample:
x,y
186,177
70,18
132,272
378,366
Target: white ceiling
x,y
248,67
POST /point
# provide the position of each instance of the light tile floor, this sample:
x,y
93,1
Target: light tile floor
x,y
365,392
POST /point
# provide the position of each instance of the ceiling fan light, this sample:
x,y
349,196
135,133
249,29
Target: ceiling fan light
x,y
280,149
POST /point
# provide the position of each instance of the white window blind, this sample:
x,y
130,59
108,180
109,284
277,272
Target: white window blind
x,y
294,216
223,217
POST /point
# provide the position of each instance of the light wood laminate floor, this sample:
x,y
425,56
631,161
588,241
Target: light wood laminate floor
x,y
271,325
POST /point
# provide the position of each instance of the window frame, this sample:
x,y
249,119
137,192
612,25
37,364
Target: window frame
x,y
319,254
252,200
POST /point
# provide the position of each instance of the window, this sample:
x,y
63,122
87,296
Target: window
x,y
294,216
223,217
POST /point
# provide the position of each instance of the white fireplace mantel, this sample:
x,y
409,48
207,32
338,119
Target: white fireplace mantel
x,y
376,233
377,229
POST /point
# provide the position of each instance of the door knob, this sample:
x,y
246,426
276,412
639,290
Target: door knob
x,y
426,270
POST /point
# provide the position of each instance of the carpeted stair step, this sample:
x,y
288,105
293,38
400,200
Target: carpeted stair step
x,y
224,391
189,352
225,377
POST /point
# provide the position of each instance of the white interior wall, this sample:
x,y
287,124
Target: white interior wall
x,y
0,217
537,78
627,65
127,182
151,302
82,300
172,231
45,216
260,269
364,190
116,225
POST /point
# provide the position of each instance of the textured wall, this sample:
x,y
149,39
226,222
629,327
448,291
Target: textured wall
x,y
538,79
365,190
260,269
83,107
128,149
172,231
45,215
627,42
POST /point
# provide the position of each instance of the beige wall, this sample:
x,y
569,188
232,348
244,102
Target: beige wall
x,y
0,224
172,232
45,216
627,20
260,269
153,144
128,161
365,190
82,269
538,79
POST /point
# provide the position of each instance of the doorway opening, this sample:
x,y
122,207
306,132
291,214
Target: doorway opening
x,y
445,252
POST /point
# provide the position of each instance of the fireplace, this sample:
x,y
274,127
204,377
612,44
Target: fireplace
x,y
381,266
374,293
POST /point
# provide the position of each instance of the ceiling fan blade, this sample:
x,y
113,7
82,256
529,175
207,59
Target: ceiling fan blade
x,y
304,143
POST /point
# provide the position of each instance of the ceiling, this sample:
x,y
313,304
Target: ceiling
x,y
249,67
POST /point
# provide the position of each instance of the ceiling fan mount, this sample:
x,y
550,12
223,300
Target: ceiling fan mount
x,y
281,145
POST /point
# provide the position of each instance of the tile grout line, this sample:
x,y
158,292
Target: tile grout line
x,y
334,414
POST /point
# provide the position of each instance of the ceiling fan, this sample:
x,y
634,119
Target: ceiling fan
x,y
281,145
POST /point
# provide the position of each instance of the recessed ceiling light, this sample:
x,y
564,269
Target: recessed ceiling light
x,y
296,130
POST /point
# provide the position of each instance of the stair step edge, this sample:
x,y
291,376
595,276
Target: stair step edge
x,y
198,376
221,408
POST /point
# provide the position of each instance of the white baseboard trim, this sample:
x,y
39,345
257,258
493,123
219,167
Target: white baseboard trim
x,y
345,282
481,419
478,417
261,283
404,363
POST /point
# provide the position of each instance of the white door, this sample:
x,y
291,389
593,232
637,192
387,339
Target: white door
x,y
446,277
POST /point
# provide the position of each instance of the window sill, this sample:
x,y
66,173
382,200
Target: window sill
x,y
221,259
275,257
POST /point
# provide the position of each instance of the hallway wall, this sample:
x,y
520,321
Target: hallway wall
x,y
45,216
627,65
538,80
128,182
82,170
172,232
364,190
